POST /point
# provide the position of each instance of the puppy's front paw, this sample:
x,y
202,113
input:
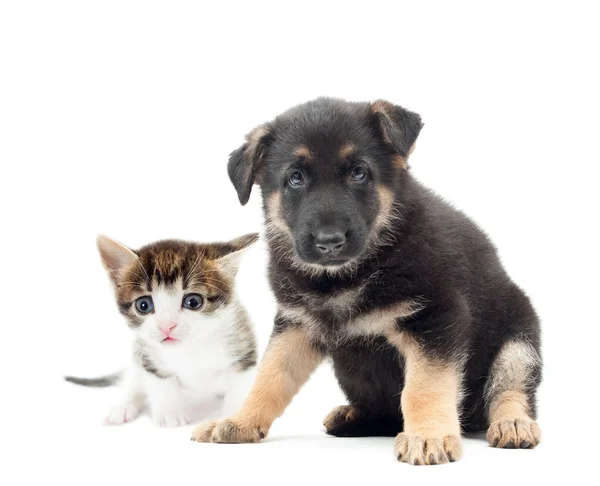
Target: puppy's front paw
x,y
121,414
203,431
418,450
514,434
227,432
170,417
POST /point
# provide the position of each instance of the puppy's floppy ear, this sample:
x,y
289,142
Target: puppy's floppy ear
x,y
244,163
398,127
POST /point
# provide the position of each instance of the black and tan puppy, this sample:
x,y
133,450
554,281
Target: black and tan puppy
x,y
427,333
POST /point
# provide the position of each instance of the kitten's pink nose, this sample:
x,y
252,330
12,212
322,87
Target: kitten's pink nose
x,y
167,327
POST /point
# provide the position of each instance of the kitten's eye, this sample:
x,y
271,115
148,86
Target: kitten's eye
x,y
296,179
144,305
358,173
193,301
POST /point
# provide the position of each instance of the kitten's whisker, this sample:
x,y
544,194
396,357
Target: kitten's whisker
x,y
192,271
212,287
131,283
216,281
139,263
212,280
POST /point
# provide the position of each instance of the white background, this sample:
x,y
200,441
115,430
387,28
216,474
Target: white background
x,y
118,117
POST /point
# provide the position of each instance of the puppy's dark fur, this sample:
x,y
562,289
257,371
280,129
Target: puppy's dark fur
x,y
402,244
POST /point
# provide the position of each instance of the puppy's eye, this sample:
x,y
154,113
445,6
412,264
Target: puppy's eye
x,y
296,179
144,305
358,173
192,301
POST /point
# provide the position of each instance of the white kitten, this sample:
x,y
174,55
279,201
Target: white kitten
x,y
193,341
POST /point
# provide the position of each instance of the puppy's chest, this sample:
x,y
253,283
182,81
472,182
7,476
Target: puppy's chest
x,y
335,317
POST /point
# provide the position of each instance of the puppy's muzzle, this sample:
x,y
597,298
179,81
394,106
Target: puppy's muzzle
x,y
329,243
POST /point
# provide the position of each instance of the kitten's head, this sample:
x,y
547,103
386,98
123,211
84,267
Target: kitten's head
x,y
172,291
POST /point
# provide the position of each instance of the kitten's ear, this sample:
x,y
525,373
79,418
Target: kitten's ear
x,y
245,162
397,127
230,257
115,256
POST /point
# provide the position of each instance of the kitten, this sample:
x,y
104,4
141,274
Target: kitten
x,y
193,341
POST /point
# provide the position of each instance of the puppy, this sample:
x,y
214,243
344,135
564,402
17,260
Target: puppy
x,y
427,333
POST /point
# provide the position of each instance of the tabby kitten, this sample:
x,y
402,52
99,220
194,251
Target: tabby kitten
x,y
193,341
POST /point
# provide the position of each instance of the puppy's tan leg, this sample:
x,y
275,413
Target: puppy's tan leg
x,y
289,361
429,404
511,424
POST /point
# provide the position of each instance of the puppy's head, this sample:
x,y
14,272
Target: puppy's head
x,y
328,171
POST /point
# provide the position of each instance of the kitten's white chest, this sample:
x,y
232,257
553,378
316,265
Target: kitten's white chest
x,y
200,370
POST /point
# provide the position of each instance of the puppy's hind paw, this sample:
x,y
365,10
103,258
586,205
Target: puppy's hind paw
x,y
340,415
514,434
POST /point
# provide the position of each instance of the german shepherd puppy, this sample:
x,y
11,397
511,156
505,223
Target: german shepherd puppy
x,y
427,333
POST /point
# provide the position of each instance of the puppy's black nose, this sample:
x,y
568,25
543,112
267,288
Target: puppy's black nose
x,y
330,241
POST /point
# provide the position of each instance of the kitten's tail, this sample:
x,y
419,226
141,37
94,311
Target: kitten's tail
x,y
102,381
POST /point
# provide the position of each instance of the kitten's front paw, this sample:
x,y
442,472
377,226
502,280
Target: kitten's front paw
x,y
121,414
418,450
227,432
171,417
